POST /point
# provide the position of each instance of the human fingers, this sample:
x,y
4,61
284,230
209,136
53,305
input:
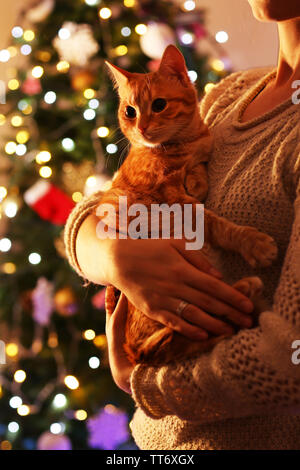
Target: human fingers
x,y
173,321
216,288
198,316
196,258
210,304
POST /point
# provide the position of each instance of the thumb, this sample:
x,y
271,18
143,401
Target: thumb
x,y
117,319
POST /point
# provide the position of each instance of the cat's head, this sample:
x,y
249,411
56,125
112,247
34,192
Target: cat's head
x,y
156,107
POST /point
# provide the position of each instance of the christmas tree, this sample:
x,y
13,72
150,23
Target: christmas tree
x,y
61,141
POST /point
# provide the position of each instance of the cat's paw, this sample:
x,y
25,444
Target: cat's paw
x,y
196,188
249,286
258,249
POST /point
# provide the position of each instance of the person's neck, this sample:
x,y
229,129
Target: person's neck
x,y
288,68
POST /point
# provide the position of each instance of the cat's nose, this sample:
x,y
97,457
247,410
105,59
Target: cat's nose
x,y
142,128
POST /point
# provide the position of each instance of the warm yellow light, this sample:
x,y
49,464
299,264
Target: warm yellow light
x,y
27,110
100,341
20,376
129,3
102,131
16,121
9,268
89,334
28,35
3,192
10,147
22,137
218,65
208,87
43,157
44,56
71,382
37,71
121,50
45,172
23,410
141,29
2,119
63,66
12,349
81,415
89,93
13,84
12,50
91,181
105,13
52,340
77,196
5,445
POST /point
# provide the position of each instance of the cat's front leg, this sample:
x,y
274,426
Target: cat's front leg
x,y
196,181
256,247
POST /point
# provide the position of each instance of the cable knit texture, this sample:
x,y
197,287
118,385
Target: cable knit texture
x,y
245,393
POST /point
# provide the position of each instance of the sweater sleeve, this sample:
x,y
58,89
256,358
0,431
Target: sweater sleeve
x,y
250,373
75,219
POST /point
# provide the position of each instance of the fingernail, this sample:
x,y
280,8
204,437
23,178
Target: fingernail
x,y
214,272
247,306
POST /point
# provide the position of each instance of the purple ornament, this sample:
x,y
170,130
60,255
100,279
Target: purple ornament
x,y
108,429
42,299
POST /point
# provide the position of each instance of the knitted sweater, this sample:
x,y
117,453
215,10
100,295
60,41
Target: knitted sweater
x,y
245,393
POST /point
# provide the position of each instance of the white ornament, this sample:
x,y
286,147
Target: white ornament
x,y
41,11
156,39
49,441
79,46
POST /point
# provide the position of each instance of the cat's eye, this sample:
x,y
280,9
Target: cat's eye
x,y
130,112
159,105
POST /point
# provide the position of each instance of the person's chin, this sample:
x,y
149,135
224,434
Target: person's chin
x,y
266,11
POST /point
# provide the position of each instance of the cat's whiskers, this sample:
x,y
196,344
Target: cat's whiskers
x,y
122,154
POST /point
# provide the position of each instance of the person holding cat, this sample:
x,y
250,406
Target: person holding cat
x,y
245,392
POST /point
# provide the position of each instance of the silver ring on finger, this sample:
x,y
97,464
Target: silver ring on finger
x,y
180,308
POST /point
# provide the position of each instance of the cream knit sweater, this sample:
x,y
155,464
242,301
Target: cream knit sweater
x,y
245,394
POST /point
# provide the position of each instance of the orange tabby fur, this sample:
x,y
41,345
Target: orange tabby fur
x,y
166,164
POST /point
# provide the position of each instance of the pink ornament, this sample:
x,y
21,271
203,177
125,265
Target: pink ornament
x,y
49,441
98,300
199,31
31,86
153,65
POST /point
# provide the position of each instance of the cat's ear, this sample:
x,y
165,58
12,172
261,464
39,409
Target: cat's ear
x,y
173,62
119,76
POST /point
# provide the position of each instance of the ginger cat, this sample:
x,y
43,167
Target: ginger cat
x,y
170,145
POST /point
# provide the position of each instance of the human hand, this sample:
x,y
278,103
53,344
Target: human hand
x,y
120,366
155,275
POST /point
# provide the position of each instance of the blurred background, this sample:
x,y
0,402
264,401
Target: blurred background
x,y
59,141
